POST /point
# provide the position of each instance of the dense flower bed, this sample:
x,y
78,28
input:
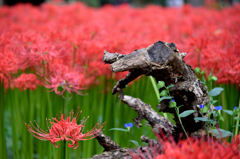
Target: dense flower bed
x,y
191,148
197,149
62,45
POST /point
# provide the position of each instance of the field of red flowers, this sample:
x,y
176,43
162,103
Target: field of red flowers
x,y
201,149
69,40
191,148
62,46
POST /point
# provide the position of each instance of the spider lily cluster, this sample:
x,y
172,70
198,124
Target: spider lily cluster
x,y
66,51
67,130
61,47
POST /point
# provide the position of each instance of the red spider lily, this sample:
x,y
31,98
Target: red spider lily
x,y
70,82
191,149
29,35
199,149
67,130
25,81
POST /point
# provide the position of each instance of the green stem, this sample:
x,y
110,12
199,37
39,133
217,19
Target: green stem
x,y
181,122
237,123
65,112
128,139
64,150
3,149
224,96
50,114
208,124
155,87
210,85
14,126
157,92
30,118
232,130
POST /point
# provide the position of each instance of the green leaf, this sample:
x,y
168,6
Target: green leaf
x,y
213,123
214,78
237,110
220,133
119,129
163,93
165,97
215,113
172,104
209,113
205,109
186,113
215,91
135,142
221,117
170,86
203,80
209,77
202,73
214,101
235,125
230,112
197,70
155,87
160,84
180,106
236,118
203,119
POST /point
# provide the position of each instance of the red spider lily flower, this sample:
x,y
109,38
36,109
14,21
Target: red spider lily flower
x,y
29,36
70,82
193,148
67,130
25,81
198,149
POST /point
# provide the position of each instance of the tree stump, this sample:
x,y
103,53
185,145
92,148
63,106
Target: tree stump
x,y
163,62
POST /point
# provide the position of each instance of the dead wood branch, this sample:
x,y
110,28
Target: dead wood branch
x,y
163,62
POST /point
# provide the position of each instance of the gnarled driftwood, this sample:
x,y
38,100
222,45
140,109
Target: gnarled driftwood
x,y
163,62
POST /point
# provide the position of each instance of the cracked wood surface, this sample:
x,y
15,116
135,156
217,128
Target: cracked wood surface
x,y
163,62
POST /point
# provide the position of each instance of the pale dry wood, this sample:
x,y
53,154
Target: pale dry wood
x,y
163,62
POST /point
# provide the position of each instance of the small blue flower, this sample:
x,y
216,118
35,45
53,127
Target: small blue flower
x,y
171,100
218,107
235,108
202,106
128,126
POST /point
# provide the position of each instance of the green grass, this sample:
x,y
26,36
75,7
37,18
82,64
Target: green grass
x,y
20,107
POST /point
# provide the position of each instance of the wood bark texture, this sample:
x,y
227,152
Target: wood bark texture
x,y
163,62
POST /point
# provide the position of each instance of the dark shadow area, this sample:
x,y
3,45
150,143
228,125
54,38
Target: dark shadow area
x,y
13,2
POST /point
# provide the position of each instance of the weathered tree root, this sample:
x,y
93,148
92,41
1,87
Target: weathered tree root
x,y
107,143
145,111
163,62
153,149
